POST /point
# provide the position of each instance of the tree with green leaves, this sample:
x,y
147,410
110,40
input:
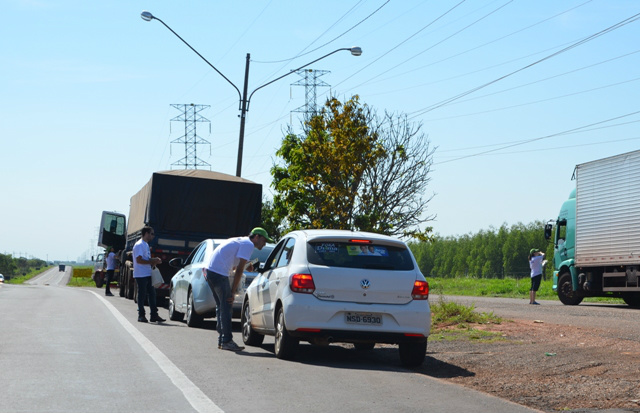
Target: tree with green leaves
x,y
353,170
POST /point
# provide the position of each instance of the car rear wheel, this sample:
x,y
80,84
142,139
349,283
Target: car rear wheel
x,y
249,337
412,354
285,345
193,319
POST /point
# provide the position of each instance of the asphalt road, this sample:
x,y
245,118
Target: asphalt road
x,y
65,349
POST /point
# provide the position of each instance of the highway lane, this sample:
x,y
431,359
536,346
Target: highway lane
x,y
52,276
74,350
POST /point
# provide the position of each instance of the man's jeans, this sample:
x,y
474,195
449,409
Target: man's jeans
x,y
221,289
107,281
146,289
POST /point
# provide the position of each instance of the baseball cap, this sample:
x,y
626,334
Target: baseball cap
x,y
533,250
261,231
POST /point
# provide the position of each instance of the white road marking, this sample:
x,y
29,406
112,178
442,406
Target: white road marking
x,y
191,392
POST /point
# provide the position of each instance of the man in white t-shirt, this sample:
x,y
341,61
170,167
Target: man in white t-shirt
x,y
233,253
111,268
142,263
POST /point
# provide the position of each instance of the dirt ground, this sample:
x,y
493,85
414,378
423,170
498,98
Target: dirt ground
x,y
544,366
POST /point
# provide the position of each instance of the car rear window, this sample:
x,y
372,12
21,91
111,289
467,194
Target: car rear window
x,y
350,255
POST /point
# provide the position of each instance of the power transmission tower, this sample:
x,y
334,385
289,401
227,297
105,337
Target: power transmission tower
x,y
190,116
311,83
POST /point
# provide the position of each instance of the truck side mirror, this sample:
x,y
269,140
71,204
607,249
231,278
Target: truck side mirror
x,y
547,231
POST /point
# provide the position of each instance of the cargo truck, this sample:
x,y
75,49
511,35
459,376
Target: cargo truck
x,y
184,207
597,233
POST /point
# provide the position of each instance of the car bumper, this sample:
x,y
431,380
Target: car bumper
x,y
306,316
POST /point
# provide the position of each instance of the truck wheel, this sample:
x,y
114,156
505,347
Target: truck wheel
x,y
412,354
121,283
632,300
565,290
131,284
98,279
193,319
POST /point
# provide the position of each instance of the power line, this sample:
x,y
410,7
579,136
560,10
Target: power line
x,y
539,138
566,49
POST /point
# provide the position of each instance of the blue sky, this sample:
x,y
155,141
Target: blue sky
x,y
513,94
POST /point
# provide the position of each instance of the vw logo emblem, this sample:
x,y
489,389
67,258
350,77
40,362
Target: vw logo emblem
x,y
365,284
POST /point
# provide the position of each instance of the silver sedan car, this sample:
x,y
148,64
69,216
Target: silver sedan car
x,y
190,294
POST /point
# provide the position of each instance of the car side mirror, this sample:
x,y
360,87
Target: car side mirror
x,y
176,263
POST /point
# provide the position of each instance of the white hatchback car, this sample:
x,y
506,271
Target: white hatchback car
x,y
326,286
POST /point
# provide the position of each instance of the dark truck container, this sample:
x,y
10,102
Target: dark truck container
x,y
184,207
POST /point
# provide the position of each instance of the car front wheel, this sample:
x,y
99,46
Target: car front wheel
x,y
193,319
173,314
285,345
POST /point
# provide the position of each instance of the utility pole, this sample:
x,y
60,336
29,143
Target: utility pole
x,y
190,116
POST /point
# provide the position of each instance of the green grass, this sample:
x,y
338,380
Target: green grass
x,y
29,275
452,321
505,287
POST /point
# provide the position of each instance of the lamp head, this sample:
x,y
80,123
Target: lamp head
x,y
146,16
356,51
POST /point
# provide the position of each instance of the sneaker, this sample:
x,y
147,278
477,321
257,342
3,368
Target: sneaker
x,y
157,318
231,346
142,319
535,303
108,294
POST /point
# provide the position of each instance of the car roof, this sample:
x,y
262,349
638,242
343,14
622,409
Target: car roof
x,y
316,234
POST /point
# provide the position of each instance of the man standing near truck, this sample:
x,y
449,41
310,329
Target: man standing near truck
x,y
111,268
142,263
536,258
234,253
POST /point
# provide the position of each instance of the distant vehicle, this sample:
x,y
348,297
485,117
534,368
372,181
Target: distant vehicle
x,y
597,234
1,278
325,286
184,207
191,296
61,267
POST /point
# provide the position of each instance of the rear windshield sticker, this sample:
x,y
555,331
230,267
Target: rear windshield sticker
x,y
368,250
326,248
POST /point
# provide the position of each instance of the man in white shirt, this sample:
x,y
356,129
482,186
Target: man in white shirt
x,y
234,253
142,263
111,267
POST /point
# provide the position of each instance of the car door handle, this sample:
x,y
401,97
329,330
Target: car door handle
x,y
277,282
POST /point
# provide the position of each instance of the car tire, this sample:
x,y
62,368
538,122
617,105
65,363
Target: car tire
x,y
193,319
249,336
364,346
412,354
285,345
173,314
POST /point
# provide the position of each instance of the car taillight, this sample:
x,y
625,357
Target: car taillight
x,y
302,283
420,290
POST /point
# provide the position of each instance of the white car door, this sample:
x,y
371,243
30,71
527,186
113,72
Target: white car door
x,y
277,280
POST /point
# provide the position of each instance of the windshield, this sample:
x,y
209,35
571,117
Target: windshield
x,y
370,256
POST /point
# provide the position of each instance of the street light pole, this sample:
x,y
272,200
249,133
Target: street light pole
x,y
244,101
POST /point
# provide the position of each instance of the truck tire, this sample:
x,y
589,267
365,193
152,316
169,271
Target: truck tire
x,y
131,284
121,283
565,290
97,277
632,299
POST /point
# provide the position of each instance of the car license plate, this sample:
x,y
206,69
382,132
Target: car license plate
x,y
370,319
